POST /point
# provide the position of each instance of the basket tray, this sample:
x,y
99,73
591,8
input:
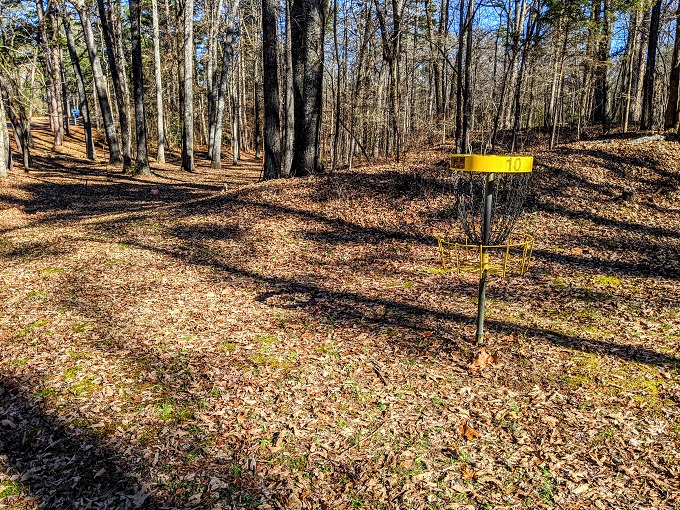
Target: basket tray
x,y
509,259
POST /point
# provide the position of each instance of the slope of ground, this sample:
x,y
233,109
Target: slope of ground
x,y
295,344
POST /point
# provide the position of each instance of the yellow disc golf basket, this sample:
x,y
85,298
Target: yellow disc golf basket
x,y
490,192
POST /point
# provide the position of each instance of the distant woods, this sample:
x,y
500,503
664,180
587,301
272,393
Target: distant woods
x,y
315,85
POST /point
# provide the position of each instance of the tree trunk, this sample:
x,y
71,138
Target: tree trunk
x,y
115,68
632,41
160,154
257,128
142,160
336,128
227,53
272,106
467,92
52,76
459,78
5,154
288,101
307,30
115,155
82,90
188,113
65,110
20,124
648,82
235,129
671,117
212,16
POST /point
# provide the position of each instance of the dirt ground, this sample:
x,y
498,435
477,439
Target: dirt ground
x,y
296,344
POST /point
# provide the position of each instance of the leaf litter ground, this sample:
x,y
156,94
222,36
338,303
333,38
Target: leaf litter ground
x,y
295,344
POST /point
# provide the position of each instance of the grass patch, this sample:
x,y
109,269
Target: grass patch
x,y
84,387
607,281
32,326
11,488
50,271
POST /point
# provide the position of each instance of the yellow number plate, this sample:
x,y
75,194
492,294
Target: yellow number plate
x,y
499,164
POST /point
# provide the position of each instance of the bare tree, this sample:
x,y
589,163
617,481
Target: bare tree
x,y
82,90
50,55
647,120
188,88
142,160
115,155
272,103
116,69
160,154
5,153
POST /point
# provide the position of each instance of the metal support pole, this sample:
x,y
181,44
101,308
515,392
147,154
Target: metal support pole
x,y
486,234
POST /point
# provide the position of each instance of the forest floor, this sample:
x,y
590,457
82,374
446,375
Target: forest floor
x,y
295,344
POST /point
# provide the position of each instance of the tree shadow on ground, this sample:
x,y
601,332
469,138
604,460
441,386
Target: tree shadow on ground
x,y
58,467
354,308
351,306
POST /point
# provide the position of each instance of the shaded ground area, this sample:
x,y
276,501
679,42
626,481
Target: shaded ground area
x,y
295,344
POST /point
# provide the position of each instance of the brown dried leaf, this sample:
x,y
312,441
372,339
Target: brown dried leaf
x,y
483,359
468,473
467,432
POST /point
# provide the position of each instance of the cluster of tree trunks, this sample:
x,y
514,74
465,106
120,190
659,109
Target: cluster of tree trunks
x,y
389,75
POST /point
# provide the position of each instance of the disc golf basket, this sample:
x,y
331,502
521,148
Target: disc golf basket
x,y
489,192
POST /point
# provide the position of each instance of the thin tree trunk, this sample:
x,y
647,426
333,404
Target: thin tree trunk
x,y
82,90
467,92
227,53
52,76
235,128
336,130
64,95
257,135
115,63
5,154
288,106
160,154
632,37
142,160
272,105
459,78
115,155
647,120
671,117
20,124
188,113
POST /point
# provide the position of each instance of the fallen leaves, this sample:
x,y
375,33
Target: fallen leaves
x,y
242,346
467,431
482,360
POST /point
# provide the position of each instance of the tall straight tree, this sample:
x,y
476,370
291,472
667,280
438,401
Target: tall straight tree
x,y
142,160
288,101
671,117
17,116
307,31
52,75
82,91
160,154
227,54
188,88
272,104
116,68
391,52
647,119
5,154
115,155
